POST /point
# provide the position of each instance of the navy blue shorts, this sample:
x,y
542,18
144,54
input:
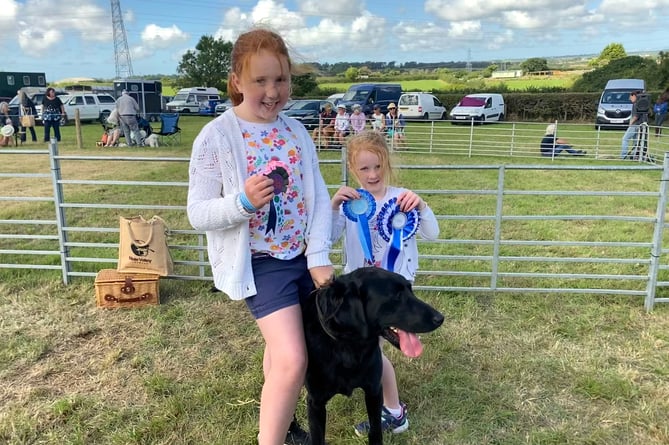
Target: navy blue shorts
x,y
279,283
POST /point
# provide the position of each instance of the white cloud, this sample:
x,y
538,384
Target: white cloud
x,y
337,9
8,15
159,37
38,42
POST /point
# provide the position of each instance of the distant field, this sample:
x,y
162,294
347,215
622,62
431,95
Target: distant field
x,y
519,84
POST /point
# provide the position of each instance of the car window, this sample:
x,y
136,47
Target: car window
x,y
77,100
356,95
468,101
104,99
90,100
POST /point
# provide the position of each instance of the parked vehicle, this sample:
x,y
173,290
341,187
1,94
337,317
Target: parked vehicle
x,y
190,100
147,93
335,98
209,108
369,94
615,107
222,107
483,107
421,106
12,81
92,107
307,111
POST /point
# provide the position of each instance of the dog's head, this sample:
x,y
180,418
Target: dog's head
x,y
370,302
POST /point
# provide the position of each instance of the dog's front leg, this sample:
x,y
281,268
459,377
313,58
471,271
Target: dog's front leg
x,y
374,403
316,413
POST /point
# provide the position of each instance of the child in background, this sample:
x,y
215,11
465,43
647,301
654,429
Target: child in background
x,y
342,125
378,120
369,161
256,189
357,119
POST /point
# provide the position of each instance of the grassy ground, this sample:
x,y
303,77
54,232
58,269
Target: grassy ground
x,y
504,369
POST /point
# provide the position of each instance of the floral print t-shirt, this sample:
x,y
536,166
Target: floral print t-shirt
x,y
279,227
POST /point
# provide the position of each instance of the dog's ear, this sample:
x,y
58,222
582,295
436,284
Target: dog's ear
x,y
341,311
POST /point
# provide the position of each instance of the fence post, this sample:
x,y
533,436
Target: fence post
x,y
498,228
60,212
471,136
656,248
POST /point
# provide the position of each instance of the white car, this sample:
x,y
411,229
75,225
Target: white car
x,y
92,107
422,106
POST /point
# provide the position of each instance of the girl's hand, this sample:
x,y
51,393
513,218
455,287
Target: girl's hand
x,y
345,193
259,190
409,200
322,275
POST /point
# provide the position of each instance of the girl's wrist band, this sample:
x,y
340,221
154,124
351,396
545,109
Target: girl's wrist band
x,y
244,201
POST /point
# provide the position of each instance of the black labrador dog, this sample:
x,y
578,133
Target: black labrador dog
x,y
342,324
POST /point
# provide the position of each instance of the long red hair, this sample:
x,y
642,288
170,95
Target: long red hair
x,y
247,45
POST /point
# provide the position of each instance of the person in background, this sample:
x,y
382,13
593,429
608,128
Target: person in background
x,y
395,124
27,108
128,109
358,119
378,120
368,160
53,111
660,110
113,133
342,125
5,138
323,134
256,189
633,128
551,145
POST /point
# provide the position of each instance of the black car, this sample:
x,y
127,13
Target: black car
x,y
307,111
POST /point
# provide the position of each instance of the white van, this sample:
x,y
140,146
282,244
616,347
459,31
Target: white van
x,y
482,107
190,100
422,106
615,107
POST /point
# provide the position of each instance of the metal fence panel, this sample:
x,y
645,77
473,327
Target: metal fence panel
x,y
508,259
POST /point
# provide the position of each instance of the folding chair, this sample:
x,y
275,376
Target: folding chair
x,y
170,133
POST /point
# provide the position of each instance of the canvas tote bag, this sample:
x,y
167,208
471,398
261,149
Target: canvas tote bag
x,y
27,119
143,246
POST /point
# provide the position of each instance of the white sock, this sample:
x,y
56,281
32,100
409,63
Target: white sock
x,y
397,413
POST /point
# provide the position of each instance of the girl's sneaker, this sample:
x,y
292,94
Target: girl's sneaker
x,y
389,423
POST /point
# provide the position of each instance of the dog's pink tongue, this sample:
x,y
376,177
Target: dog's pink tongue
x,y
410,344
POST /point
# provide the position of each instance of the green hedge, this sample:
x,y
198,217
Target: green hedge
x,y
542,107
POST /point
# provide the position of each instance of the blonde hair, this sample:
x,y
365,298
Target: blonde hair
x,y
550,129
249,44
373,142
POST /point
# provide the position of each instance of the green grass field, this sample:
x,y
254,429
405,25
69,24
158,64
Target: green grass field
x,y
520,84
505,369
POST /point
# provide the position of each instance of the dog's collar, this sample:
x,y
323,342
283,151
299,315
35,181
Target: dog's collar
x,y
321,317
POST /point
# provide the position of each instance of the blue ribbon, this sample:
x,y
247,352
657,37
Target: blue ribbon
x,y
359,211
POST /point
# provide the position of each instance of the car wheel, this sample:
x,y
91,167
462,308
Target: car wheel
x,y
501,117
426,117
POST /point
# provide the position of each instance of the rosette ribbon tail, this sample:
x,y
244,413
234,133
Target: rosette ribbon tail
x,y
365,239
271,220
394,248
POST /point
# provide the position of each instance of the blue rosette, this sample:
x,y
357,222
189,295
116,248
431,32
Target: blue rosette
x,y
396,226
360,211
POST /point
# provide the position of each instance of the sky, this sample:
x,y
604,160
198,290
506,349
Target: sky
x,y
75,38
